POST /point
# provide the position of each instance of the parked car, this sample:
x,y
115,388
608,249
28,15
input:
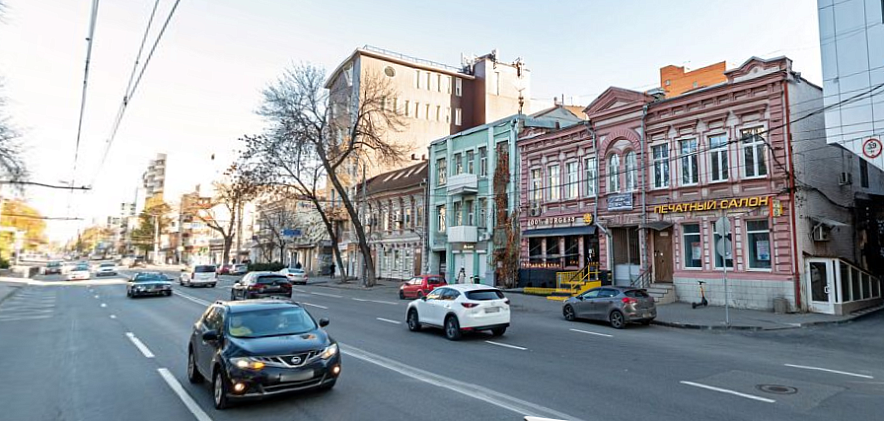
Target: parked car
x,y
261,285
225,269
106,269
205,275
461,308
240,269
138,262
148,283
295,276
420,286
615,305
52,268
259,348
79,272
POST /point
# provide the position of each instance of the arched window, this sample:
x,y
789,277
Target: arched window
x,y
631,171
614,173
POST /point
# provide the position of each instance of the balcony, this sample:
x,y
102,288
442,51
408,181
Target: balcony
x,y
463,234
463,184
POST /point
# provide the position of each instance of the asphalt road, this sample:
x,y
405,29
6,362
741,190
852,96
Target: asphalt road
x,y
88,366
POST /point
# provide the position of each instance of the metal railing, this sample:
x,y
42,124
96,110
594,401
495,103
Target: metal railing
x,y
411,59
643,280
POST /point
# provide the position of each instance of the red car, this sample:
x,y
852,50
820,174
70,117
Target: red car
x,y
225,270
420,286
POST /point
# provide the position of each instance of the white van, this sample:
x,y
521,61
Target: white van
x,y
199,275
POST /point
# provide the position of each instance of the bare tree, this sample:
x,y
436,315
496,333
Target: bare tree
x,y
276,221
239,187
342,136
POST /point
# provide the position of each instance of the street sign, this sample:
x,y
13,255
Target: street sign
x,y
872,148
723,226
724,247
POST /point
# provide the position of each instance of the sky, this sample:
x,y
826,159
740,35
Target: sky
x,y
201,89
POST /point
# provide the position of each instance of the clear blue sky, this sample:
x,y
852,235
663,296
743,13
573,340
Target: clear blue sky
x,y
203,85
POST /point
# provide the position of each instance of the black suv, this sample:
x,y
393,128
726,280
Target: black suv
x,y
257,348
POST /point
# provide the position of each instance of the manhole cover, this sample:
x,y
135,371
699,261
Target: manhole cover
x,y
777,389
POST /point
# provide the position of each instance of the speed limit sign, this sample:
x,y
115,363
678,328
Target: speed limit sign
x,y
872,148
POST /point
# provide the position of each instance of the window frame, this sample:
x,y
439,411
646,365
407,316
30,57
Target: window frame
x,y
613,170
470,157
687,246
590,176
716,256
721,154
535,183
458,163
441,171
749,244
754,145
554,185
572,187
483,161
458,116
660,163
691,158
631,171
441,219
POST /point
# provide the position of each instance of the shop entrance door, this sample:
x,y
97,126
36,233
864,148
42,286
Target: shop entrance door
x,y
821,285
663,256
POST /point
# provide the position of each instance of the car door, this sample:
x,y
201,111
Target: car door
x,y
206,349
583,305
430,309
448,303
603,305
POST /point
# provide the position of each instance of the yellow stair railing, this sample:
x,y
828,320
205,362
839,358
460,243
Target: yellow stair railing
x,y
572,283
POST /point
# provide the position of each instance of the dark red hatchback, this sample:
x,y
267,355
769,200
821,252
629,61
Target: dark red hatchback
x,y
420,286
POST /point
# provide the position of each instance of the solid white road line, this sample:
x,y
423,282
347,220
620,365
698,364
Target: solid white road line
x,y
730,392
192,298
541,419
506,345
592,333
140,345
388,321
500,400
191,405
375,301
864,376
326,295
315,305
360,299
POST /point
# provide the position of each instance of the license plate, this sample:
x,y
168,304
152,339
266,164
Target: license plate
x,y
296,377
492,309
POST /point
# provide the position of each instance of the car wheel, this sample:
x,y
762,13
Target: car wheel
x,y
232,296
413,321
212,286
219,390
168,293
401,295
617,320
569,314
129,293
498,331
193,373
452,328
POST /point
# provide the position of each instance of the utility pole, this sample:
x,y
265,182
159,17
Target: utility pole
x,y
238,217
362,215
156,238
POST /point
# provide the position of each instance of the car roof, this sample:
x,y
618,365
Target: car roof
x,y
469,287
263,304
265,273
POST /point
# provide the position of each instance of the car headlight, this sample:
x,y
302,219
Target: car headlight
x,y
247,363
329,351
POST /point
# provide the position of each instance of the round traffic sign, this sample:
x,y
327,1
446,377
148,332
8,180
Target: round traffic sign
x,y
724,248
872,148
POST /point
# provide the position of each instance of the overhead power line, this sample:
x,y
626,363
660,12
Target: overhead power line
x,y
89,41
45,218
49,186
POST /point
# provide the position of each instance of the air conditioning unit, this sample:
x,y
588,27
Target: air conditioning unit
x,y
845,178
820,233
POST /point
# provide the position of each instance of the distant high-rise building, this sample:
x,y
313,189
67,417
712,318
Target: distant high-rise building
x,y
154,180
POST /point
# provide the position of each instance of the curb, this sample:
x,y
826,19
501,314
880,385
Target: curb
x,y
14,291
850,319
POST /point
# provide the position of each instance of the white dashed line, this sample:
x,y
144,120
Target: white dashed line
x,y
864,376
191,405
96,297
322,294
191,298
389,321
506,345
375,301
113,316
730,392
315,305
360,299
140,345
103,305
592,333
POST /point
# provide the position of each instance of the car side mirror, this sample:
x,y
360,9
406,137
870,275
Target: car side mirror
x,y
323,322
424,298
210,335
580,297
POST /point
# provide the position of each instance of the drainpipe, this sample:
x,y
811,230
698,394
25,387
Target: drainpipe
x,y
795,273
595,212
643,240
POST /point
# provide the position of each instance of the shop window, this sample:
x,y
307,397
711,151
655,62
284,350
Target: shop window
x,y
572,251
719,261
552,249
693,247
758,239
535,250
845,282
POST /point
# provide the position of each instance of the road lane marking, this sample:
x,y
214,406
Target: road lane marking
x,y
326,295
191,405
113,316
864,376
140,345
103,305
96,297
360,299
389,321
507,345
315,305
730,392
498,399
298,290
592,333
192,298
375,301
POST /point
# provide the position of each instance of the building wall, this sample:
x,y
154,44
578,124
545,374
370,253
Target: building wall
x,y
396,241
675,81
852,47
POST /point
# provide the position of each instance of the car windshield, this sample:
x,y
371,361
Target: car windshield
x,y
107,265
204,269
81,267
150,277
272,322
485,295
54,264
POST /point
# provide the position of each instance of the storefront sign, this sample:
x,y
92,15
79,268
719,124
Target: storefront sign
x,y
541,265
587,218
746,202
776,208
556,220
480,246
620,202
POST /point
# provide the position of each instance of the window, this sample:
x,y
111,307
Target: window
x,y
689,171
631,171
471,213
591,173
440,223
718,158
457,116
483,162
458,164
536,186
417,79
661,166
754,164
483,203
427,112
389,71
614,173
758,236
693,248
554,182
572,253
417,110
458,214
718,259
439,83
458,87
396,105
863,172
438,112
448,85
535,250
471,166
441,173
419,214
573,181
407,108
429,78
447,114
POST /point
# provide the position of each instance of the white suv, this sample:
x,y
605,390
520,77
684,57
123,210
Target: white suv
x,y
461,308
203,275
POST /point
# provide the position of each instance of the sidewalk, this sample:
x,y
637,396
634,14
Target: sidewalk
x,y
681,315
325,281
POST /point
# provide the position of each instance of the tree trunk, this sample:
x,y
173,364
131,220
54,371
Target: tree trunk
x,y
225,255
